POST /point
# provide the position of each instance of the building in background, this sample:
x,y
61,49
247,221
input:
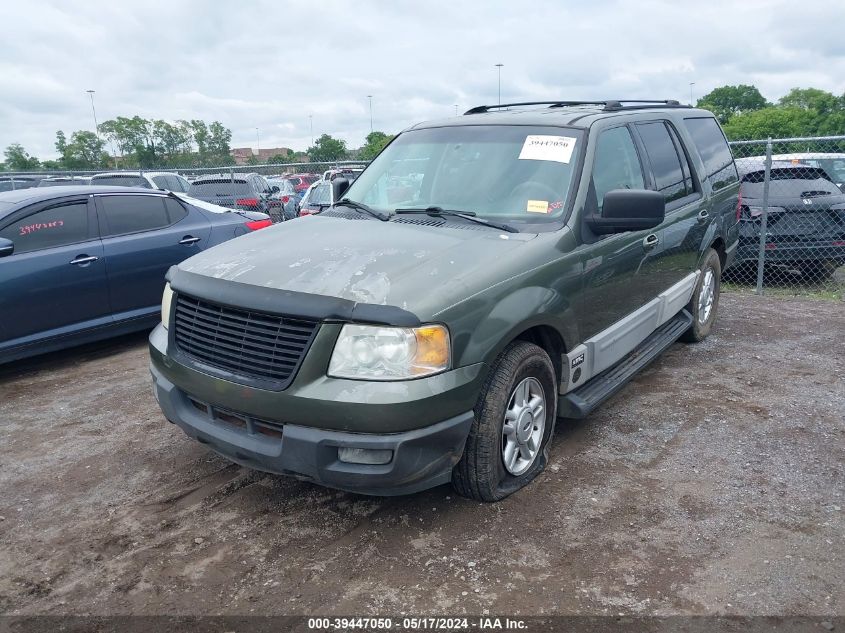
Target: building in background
x,y
243,155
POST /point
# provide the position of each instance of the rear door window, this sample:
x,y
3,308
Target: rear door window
x,y
132,214
714,151
55,226
665,162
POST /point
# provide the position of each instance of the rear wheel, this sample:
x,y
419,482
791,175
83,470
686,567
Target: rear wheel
x,y
514,420
704,303
818,271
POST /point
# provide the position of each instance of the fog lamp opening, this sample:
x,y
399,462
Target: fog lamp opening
x,y
373,456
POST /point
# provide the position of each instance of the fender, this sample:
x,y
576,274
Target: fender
x,y
489,328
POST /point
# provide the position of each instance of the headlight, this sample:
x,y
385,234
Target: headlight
x,y
371,352
165,305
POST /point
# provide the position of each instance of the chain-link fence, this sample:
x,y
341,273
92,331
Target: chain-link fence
x,y
792,215
275,189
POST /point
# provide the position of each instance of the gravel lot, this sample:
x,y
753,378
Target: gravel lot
x,y
712,484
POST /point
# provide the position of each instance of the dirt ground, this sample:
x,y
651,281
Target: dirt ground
x,y
712,484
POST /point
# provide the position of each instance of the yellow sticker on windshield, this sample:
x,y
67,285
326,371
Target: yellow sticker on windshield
x,y
538,206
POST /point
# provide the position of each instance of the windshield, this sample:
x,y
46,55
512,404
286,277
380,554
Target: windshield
x,y
514,173
321,194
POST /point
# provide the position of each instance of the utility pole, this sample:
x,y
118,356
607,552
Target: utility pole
x,y
311,126
499,67
258,143
96,126
370,97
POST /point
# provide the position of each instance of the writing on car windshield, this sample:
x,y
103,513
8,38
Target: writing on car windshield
x,y
516,173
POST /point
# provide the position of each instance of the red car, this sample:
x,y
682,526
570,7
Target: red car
x,y
301,182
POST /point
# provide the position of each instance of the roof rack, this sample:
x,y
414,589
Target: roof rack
x,y
609,105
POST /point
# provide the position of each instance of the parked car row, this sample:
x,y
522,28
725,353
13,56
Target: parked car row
x,y
805,223
82,263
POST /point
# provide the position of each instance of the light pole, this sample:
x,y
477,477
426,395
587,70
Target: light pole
x,y
691,84
456,109
96,127
311,127
370,97
258,143
499,67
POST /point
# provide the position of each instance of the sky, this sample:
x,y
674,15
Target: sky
x,y
282,66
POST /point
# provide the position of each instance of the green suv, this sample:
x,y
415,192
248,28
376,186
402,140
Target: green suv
x,y
485,275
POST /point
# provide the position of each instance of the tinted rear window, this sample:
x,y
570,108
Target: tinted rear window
x,y
790,183
130,214
713,149
221,187
127,180
669,176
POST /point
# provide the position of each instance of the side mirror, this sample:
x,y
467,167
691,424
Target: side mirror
x,y
339,187
628,210
275,189
7,247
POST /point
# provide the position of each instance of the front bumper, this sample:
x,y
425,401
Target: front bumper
x,y
297,431
421,458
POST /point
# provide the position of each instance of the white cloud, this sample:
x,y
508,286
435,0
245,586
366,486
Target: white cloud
x,y
270,64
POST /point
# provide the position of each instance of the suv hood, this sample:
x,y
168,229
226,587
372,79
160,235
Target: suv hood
x,y
417,268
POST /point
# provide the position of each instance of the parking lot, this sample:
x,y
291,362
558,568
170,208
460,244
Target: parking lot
x,y
713,483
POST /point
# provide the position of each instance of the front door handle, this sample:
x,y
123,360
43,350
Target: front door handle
x,y
650,241
189,239
82,260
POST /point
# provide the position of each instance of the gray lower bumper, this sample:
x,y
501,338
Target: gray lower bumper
x,y
422,458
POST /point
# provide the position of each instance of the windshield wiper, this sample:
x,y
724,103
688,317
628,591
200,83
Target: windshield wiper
x,y
466,215
363,208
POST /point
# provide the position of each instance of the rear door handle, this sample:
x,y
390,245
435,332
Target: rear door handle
x,y
703,215
189,239
650,241
81,260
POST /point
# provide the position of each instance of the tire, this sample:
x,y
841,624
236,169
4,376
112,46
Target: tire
x,y
481,473
817,271
703,316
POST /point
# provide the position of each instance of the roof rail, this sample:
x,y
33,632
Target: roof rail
x,y
609,105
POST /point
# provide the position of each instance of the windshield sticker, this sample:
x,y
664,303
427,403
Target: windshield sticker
x,y
541,147
537,206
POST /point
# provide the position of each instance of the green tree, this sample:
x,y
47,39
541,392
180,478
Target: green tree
x,y
279,159
17,158
774,122
134,139
729,101
326,149
375,143
85,150
820,101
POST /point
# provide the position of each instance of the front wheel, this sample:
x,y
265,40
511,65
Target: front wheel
x,y
514,420
705,299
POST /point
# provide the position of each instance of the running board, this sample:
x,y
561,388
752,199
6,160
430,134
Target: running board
x,y
580,402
